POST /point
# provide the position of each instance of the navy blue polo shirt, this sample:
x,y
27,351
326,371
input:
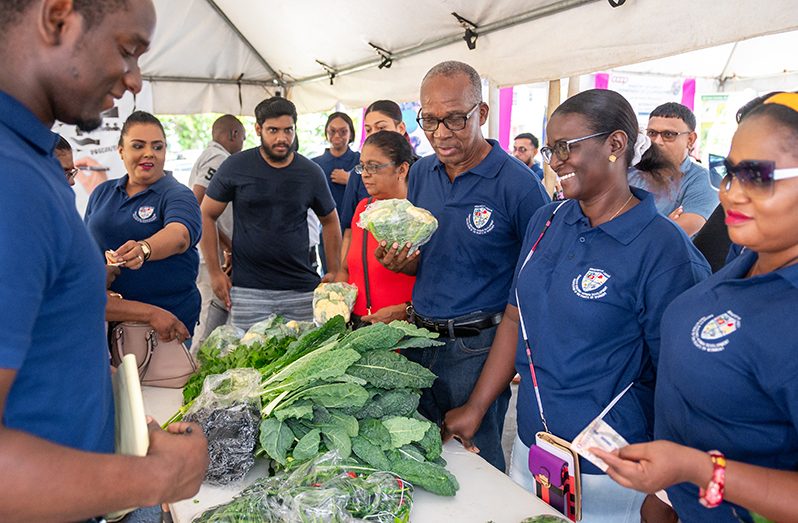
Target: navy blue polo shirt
x,y
328,164
354,193
114,218
591,299
468,264
52,294
538,170
727,374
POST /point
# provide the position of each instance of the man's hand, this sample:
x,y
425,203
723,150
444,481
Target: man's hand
x,y
676,213
329,277
395,258
339,176
387,314
221,287
111,273
167,326
91,173
461,424
180,457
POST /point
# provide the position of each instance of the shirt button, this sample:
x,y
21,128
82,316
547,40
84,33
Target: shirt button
x,y
581,239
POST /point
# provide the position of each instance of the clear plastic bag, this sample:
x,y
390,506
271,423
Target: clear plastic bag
x,y
274,327
228,410
333,299
398,221
325,490
223,338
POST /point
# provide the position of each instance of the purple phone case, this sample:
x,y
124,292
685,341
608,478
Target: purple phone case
x,y
543,462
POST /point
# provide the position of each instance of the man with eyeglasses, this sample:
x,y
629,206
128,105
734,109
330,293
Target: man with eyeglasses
x,y
525,148
227,137
483,200
687,198
271,187
63,153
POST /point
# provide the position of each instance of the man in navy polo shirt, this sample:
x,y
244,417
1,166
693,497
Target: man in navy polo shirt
x,y
525,148
68,62
271,187
483,200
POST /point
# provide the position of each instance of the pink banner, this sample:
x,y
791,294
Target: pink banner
x,y
602,80
505,115
688,93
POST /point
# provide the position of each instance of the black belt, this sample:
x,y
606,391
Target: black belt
x,y
459,327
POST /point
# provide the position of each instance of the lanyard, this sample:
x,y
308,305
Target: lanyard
x,y
526,338
521,317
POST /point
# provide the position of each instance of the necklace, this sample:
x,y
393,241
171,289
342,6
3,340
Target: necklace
x,y
622,207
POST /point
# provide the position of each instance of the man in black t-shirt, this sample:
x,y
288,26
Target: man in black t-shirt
x,y
272,187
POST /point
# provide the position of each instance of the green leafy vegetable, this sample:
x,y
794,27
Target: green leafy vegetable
x,y
308,446
405,430
276,439
429,476
370,453
338,440
389,370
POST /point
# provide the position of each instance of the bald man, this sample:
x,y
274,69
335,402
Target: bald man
x,y
228,138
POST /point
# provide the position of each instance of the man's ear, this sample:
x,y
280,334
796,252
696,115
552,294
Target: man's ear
x,y
53,16
483,113
691,139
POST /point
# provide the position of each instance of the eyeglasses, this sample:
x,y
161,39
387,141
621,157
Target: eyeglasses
x,y
453,123
562,149
371,168
71,173
340,132
756,177
667,136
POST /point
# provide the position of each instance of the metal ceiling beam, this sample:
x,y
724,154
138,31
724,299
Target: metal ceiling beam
x,y
223,81
482,30
232,26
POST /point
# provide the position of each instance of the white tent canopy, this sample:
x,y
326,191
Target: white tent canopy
x,y
227,55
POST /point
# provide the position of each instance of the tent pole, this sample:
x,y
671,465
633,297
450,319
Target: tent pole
x,y
555,94
493,113
573,85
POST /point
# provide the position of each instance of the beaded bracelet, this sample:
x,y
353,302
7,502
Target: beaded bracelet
x,y
712,495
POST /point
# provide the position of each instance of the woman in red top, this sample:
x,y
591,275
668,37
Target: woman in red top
x,y
385,161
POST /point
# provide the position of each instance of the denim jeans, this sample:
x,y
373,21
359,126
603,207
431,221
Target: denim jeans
x,y
603,500
458,365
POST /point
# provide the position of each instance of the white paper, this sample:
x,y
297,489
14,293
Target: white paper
x,y
598,434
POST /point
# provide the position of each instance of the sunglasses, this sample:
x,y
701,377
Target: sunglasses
x,y
756,177
562,149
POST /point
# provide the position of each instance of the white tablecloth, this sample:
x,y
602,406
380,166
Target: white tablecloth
x,y
485,493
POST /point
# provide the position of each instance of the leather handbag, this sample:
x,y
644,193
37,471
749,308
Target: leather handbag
x,y
166,364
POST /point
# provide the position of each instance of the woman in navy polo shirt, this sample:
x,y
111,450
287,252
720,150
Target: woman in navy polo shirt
x,y
727,375
590,296
152,224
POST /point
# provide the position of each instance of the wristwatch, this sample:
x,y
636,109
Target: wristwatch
x,y
146,249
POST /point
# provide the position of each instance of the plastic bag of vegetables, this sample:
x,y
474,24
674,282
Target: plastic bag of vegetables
x,y
223,338
274,326
326,489
228,410
398,221
333,299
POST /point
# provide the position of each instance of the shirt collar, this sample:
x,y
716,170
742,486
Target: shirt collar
x,y
158,187
628,225
686,164
489,167
24,124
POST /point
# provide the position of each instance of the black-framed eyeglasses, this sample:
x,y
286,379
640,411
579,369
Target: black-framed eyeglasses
x,y
340,132
562,149
71,173
453,123
371,168
756,177
667,136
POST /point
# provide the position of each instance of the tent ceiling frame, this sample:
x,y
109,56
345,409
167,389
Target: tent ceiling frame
x,y
528,16
261,59
212,81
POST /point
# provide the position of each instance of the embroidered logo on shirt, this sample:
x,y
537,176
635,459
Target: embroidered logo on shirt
x,y
145,214
709,332
479,220
592,285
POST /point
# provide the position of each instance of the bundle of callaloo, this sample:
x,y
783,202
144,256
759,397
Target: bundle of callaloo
x,y
323,490
398,221
228,410
354,395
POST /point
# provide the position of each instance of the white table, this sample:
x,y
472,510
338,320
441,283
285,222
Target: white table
x,y
485,493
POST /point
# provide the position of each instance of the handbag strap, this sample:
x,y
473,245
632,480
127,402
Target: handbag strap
x,y
366,264
526,338
521,317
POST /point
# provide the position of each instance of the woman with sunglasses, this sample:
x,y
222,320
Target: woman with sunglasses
x,y
594,275
727,394
382,295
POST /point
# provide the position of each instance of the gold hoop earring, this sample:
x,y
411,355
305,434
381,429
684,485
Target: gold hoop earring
x,y
613,158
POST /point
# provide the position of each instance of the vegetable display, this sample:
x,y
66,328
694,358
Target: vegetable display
x,y
398,221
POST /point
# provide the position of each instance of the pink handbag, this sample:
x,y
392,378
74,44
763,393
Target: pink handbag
x,y
166,364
